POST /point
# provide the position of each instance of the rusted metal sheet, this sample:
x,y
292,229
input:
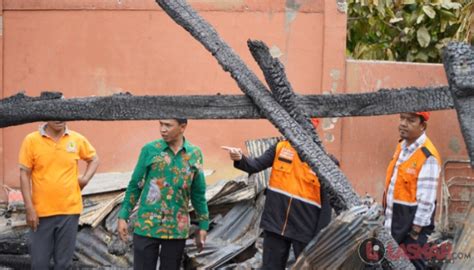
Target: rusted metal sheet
x,y
336,246
235,232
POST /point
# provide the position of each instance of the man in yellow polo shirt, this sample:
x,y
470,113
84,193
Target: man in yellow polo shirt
x,y
51,188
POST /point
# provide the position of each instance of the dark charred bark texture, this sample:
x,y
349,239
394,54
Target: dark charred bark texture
x,y
20,109
275,75
458,61
309,151
382,102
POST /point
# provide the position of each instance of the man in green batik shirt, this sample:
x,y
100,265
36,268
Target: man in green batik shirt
x,y
168,174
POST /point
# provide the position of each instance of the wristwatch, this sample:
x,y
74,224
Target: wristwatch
x,y
414,233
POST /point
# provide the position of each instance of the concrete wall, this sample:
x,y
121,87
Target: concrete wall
x,y
95,47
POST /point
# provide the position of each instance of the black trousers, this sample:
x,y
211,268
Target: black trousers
x,y
419,264
276,249
55,238
146,251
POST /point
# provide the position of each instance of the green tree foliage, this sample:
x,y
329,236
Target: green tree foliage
x,y
406,30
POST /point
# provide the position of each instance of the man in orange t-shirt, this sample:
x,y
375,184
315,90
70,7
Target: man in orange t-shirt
x,y
51,188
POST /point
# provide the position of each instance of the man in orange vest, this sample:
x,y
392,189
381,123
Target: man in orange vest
x,y
411,185
295,208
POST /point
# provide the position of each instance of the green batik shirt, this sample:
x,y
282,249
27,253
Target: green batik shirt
x,y
163,183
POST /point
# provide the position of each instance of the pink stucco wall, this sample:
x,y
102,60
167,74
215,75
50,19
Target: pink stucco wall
x,y
85,48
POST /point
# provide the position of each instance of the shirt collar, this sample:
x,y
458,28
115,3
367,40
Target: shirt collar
x,y
415,145
42,130
186,145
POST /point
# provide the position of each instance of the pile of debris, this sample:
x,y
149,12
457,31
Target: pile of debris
x,y
234,240
235,208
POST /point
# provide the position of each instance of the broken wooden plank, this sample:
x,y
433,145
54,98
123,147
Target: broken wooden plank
x,y
107,182
94,215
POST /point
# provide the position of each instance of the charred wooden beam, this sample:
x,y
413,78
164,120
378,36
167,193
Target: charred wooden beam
x,y
248,82
458,61
275,75
21,109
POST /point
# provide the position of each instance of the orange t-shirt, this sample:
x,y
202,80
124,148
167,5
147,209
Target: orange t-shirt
x,y
54,171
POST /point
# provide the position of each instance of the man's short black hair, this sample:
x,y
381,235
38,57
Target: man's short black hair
x,y
181,120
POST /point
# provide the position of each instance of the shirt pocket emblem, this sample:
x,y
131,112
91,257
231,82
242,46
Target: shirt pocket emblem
x,y
71,147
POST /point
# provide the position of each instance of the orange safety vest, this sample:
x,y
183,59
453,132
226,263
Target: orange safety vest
x,y
293,177
407,173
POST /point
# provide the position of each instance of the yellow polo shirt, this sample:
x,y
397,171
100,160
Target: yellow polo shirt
x,y
54,171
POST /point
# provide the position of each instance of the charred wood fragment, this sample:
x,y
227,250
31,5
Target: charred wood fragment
x,y
21,97
458,61
13,246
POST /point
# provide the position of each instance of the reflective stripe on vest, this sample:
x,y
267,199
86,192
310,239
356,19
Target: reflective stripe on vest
x,y
407,174
292,177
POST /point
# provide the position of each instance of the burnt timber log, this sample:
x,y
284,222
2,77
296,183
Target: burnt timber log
x,y
21,109
458,62
275,76
248,82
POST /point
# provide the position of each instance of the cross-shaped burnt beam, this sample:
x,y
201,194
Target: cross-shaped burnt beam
x,y
281,108
332,179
